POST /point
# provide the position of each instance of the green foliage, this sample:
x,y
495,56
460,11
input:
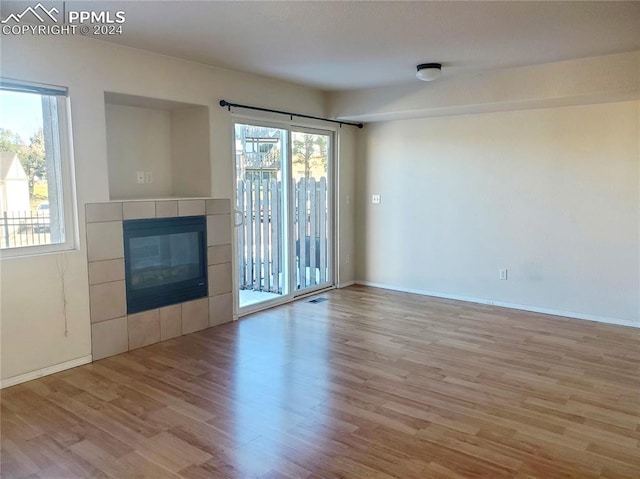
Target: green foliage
x,y
32,156
35,162
10,141
303,149
306,147
321,141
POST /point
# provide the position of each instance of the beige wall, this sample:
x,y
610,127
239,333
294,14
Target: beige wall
x,y
32,309
189,145
138,139
346,178
551,194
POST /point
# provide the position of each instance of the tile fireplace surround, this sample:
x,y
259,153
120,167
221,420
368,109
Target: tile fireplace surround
x,y
112,330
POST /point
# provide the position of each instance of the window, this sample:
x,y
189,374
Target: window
x,y
36,213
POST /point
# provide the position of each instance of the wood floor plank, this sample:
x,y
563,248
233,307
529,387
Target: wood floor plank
x,y
369,384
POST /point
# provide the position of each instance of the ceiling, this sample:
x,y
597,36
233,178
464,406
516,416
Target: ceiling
x,y
336,45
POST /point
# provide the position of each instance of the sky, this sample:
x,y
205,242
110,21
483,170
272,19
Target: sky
x,y
21,113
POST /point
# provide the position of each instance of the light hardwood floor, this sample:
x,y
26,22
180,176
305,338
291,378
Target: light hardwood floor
x,y
370,384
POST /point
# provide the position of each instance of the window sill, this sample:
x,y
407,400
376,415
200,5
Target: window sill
x,y
39,250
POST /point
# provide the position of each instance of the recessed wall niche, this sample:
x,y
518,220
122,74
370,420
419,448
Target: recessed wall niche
x,y
156,148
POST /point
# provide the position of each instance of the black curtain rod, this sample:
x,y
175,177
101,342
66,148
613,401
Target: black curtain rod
x,y
224,103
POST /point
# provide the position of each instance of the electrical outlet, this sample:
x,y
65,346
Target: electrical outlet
x,y
140,177
347,258
503,274
148,177
375,199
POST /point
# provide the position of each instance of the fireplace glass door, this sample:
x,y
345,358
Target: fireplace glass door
x,y
165,261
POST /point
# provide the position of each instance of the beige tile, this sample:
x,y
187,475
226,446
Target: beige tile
x,y
144,328
170,322
219,279
218,230
191,208
218,207
219,254
220,309
104,241
97,212
166,209
107,301
106,271
195,315
109,338
133,210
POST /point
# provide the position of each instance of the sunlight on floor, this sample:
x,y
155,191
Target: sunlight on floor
x,y
247,297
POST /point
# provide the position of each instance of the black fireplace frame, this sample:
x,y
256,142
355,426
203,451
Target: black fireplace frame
x,y
139,300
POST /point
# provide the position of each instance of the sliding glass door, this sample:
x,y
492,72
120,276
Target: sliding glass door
x,y
284,221
312,219
261,213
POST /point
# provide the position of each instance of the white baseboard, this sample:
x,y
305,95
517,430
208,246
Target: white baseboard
x,y
56,368
345,284
503,304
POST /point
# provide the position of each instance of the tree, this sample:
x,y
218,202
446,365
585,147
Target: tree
x,y
303,149
309,151
34,162
31,156
10,141
321,141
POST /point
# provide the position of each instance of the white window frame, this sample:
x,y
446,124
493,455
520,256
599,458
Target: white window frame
x,y
66,183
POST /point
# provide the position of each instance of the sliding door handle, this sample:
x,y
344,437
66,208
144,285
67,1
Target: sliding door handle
x,y
238,214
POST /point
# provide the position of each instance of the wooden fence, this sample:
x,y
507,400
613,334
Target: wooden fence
x,y
262,233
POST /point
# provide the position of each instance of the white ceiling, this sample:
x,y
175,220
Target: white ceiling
x,y
336,45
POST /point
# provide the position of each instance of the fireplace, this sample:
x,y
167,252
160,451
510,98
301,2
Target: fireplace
x,y
165,261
